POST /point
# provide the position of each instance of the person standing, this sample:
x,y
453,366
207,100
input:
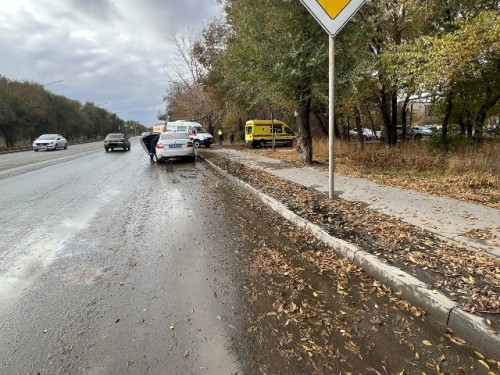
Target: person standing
x,y
219,133
152,148
231,137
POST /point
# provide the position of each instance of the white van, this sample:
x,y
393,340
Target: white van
x,y
194,130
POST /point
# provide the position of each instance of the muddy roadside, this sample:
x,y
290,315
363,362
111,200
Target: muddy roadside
x,y
470,279
307,311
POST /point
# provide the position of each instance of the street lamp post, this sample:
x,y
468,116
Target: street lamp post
x,y
50,104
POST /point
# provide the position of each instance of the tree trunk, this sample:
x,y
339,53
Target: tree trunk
x,y
304,143
385,111
490,101
446,119
357,121
322,121
394,118
404,115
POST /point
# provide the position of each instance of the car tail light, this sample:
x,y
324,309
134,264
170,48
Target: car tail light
x,y
159,145
190,144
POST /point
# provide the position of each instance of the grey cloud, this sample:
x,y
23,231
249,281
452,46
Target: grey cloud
x,y
115,51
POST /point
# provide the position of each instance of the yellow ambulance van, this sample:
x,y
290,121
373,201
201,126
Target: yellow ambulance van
x,y
260,132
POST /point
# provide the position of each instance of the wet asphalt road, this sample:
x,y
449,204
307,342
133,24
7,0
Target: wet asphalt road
x,y
112,265
106,265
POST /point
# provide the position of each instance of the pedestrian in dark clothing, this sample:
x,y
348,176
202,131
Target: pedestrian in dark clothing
x,y
152,148
231,137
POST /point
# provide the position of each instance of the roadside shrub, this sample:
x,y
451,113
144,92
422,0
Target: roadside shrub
x,y
455,140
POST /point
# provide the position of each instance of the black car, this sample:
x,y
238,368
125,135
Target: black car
x,y
116,140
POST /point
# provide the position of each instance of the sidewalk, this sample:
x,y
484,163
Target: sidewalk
x,y
444,218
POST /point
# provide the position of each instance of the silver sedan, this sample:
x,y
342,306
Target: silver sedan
x,y
50,142
174,145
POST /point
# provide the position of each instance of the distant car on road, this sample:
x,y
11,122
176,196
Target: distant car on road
x,y
174,145
116,140
50,142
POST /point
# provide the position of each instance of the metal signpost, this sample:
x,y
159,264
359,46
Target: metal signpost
x,y
332,15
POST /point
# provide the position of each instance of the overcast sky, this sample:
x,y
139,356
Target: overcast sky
x,y
105,51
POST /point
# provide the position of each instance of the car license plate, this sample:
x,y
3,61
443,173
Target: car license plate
x,y
175,146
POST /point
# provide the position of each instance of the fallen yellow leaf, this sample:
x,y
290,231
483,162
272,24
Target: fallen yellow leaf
x,y
484,364
427,343
479,354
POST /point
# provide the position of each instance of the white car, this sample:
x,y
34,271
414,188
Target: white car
x,y
174,145
367,133
50,142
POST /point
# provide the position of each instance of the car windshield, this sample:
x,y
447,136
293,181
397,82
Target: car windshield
x,y
199,130
169,136
117,135
48,136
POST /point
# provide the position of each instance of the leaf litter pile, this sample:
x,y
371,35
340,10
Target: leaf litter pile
x,y
469,278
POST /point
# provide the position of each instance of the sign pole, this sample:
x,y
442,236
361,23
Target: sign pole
x,y
332,15
331,115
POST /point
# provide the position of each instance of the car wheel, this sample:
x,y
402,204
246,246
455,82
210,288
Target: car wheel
x,y
112,149
65,146
262,143
56,147
36,150
107,149
197,143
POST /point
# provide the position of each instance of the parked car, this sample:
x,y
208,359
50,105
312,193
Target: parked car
x,y
416,132
367,133
174,145
50,142
419,132
116,140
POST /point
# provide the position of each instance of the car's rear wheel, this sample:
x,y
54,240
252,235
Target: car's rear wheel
x,y
262,143
107,149
65,146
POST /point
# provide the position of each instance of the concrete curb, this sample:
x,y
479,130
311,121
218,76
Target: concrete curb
x,y
439,308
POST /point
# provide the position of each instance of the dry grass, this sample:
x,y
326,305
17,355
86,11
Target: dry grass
x,y
471,174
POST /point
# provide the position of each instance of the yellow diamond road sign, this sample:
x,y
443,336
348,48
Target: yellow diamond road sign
x,y
333,14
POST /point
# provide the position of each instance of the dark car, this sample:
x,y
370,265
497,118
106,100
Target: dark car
x,y
116,140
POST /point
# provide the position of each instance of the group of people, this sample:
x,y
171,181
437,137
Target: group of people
x,y
221,137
